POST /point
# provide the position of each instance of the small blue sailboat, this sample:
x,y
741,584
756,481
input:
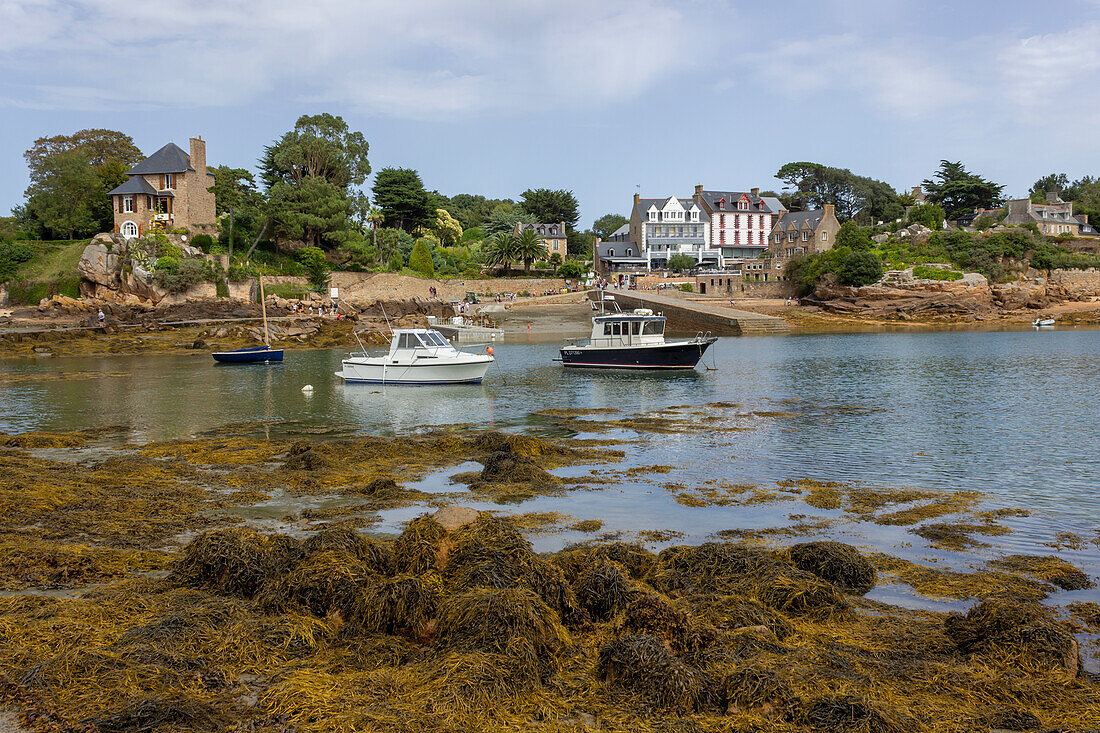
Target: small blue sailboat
x,y
253,354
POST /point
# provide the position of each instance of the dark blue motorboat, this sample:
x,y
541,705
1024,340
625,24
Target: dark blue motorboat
x,y
253,355
633,341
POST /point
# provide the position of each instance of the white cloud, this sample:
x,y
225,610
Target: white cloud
x,y
1053,73
415,58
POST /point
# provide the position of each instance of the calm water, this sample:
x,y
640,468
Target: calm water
x,y
1012,414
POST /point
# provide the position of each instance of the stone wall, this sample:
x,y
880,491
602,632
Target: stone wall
x,y
1074,284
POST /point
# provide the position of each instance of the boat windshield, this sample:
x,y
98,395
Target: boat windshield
x,y
653,328
436,338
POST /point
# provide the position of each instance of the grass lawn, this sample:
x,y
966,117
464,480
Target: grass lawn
x,y
52,260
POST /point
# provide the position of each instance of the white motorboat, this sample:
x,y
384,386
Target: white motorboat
x,y
1043,322
418,356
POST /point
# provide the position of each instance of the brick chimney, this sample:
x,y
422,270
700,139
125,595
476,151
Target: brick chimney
x,y
1053,197
637,198
198,154
1083,218
698,189
755,191
829,210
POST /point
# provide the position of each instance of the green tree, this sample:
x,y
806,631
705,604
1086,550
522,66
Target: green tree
x,y
446,227
816,185
548,207
65,196
310,173
681,262
860,268
854,236
310,210
421,259
500,250
528,247
929,215
472,210
1057,182
109,153
400,194
504,219
606,225
959,191
316,266
376,219
579,244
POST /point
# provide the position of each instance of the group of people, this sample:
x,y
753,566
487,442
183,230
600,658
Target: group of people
x,y
433,292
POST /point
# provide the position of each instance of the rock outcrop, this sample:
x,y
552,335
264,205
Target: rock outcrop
x,y
970,297
101,262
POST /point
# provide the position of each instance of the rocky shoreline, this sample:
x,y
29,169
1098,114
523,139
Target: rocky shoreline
x,y
176,614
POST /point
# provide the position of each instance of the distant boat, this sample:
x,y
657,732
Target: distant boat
x,y
418,356
1043,322
253,354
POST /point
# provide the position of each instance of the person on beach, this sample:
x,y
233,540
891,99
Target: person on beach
x,y
102,318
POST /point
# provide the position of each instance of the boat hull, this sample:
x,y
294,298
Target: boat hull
x,y
249,356
374,371
674,355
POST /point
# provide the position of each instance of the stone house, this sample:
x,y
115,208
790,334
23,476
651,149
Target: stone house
x,y
803,232
168,190
1053,217
553,236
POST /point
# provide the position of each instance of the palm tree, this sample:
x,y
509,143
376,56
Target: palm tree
x,y
375,217
500,250
529,248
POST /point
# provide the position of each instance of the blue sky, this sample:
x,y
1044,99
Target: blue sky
x,y
604,98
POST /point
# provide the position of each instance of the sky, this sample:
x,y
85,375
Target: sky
x,y
603,97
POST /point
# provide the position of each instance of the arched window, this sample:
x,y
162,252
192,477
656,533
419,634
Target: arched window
x,y
129,229
629,252
610,253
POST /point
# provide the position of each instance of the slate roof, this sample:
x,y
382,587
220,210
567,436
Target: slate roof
x,y
604,248
771,205
644,204
798,218
137,184
169,159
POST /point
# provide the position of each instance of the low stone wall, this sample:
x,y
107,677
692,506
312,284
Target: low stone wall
x,y
359,286
768,290
1074,284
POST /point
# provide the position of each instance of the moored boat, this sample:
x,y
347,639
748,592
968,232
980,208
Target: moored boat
x,y
1043,322
633,340
417,356
251,355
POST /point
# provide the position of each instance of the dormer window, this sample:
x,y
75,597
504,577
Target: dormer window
x,y
742,204
721,203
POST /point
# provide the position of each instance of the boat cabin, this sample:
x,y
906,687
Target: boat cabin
x,y
628,329
418,342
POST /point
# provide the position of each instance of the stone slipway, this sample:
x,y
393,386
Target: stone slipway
x,y
686,315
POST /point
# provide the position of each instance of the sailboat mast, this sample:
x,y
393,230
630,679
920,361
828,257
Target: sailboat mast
x,y
263,309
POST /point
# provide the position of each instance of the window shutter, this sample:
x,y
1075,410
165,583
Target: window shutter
x,y
161,181
120,204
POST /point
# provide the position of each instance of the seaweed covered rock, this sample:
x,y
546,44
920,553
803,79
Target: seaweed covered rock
x,y
305,456
1006,717
157,713
574,559
491,553
850,713
1001,628
235,561
381,487
1049,568
420,548
654,614
840,564
754,686
377,555
733,614
405,605
642,665
604,588
715,567
527,446
508,467
321,583
510,621
803,595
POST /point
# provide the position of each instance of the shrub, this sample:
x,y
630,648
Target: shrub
x,y
13,254
396,262
930,215
571,269
168,264
854,236
679,263
420,259
316,266
185,275
860,268
203,241
935,273
687,287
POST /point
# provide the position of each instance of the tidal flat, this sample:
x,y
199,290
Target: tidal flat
x,y
259,577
